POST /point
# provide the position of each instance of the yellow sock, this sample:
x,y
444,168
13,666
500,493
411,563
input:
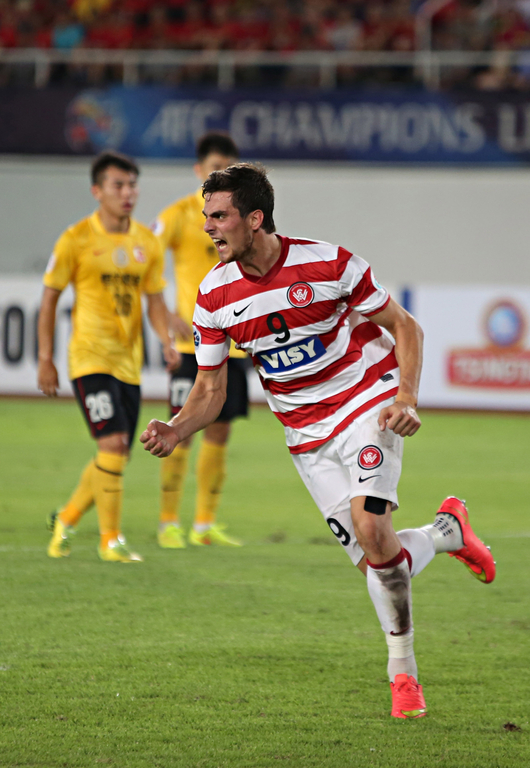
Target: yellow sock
x,y
109,493
173,474
211,471
81,499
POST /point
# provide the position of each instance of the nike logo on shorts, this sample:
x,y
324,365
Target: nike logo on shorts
x,y
364,479
236,314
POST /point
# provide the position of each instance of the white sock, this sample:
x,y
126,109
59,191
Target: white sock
x,y
401,659
420,546
445,533
201,527
389,589
163,526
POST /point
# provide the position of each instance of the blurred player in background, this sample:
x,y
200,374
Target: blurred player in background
x,y
311,316
111,260
179,227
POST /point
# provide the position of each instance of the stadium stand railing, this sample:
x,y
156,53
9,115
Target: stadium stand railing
x,y
427,65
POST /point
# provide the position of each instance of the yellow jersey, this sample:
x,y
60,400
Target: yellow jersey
x,y
179,227
109,272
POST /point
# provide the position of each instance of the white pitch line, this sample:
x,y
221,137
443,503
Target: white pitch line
x,y
81,548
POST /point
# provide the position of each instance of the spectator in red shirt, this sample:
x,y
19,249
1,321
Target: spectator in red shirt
x,y
193,31
284,29
401,27
512,30
8,29
314,22
252,28
112,31
376,27
154,31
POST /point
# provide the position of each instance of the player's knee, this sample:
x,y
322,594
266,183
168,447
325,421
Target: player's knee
x,y
370,523
115,443
366,531
218,432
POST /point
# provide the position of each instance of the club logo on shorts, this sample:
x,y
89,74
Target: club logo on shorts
x,y
300,295
120,257
196,337
370,457
139,254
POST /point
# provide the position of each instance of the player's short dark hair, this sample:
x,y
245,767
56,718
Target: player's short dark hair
x,y
251,190
111,159
216,141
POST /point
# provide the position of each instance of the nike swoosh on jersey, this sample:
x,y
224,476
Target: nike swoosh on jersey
x,y
236,314
364,479
99,252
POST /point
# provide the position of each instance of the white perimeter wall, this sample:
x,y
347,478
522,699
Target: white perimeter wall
x,y
415,226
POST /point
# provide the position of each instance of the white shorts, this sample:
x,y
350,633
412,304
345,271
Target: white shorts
x,y
360,461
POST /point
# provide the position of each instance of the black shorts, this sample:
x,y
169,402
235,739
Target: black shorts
x,y
108,404
236,403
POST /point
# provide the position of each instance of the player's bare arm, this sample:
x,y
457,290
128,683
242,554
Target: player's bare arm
x,y
48,380
202,407
157,312
401,417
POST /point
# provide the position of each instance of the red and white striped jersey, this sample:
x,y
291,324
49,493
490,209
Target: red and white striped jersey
x,y
321,361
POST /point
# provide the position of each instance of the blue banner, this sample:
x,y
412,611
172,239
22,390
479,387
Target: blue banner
x,y
378,127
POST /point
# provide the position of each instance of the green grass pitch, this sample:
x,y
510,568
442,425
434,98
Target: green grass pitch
x,y
266,656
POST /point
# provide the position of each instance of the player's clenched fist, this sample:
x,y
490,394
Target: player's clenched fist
x,y
159,438
401,418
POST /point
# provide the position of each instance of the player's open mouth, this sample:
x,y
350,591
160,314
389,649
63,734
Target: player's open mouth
x,y
221,245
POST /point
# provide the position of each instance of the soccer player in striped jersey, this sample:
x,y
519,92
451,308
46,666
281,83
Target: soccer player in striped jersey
x,y
312,317
111,261
179,228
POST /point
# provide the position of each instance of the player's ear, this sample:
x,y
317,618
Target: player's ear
x,y
197,170
96,191
256,219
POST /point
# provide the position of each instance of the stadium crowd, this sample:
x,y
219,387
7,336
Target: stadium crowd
x,y
277,25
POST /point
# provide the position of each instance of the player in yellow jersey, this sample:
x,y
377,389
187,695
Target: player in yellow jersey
x,y
179,228
110,260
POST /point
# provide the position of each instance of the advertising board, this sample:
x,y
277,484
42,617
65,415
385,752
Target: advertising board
x,y
477,345
412,127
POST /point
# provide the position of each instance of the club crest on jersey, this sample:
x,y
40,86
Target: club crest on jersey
x,y
293,356
120,257
370,457
157,227
300,295
139,254
196,337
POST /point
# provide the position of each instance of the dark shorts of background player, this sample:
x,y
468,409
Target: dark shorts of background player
x,y
236,403
108,404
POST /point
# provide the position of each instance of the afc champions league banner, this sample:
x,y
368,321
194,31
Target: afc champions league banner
x,y
362,126
477,346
